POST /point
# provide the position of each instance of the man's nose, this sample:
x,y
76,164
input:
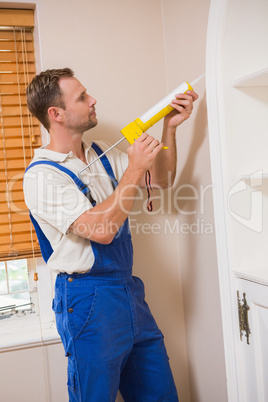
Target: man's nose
x,y
92,101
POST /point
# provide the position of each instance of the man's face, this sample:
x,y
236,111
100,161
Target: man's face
x,y
79,110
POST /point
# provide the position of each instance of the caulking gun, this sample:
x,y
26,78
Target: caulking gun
x,y
133,130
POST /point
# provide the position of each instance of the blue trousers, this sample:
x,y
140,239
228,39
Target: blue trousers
x,y
108,332
111,339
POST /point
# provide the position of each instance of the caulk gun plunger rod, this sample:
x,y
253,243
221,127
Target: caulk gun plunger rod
x,y
105,152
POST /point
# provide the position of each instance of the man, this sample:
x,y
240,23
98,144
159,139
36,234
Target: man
x,y
109,335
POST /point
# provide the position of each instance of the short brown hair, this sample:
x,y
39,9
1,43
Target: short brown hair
x,y
44,92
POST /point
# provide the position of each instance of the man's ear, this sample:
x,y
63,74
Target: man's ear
x,y
55,113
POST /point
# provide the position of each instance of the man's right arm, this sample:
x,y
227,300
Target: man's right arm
x,y
101,223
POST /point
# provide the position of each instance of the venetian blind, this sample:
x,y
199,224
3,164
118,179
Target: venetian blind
x,y
20,133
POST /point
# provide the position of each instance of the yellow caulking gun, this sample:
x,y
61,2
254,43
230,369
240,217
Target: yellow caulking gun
x,y
133,130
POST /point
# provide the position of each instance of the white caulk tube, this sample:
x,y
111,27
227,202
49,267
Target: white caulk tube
x,y
150,114
133,130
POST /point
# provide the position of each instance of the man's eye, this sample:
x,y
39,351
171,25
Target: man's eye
x,y
82,98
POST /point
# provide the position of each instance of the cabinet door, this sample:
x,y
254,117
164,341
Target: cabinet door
x,y
253,357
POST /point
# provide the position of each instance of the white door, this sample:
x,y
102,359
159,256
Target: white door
x,y
254,350
237,98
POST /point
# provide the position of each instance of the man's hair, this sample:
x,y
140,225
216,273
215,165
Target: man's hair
x,y
44,92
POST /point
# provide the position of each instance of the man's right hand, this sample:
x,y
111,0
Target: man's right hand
x,y
112,212
142,153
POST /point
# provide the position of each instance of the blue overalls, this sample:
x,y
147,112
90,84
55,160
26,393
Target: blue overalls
x,y
108,332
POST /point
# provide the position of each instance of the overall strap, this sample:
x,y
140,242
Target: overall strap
x,y
44,243
45,246
76,179
82,186
106,164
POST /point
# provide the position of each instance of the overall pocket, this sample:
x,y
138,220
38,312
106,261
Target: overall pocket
x,y
80,307
117,256
57,304
73,382
58,310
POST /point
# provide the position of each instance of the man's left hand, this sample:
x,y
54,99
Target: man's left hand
x,y
183,106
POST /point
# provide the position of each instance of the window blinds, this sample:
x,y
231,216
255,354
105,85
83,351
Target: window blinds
x,y
20,133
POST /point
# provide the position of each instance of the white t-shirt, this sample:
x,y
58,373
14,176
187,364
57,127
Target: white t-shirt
x,y
56,202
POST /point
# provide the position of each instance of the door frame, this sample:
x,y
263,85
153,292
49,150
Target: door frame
x,y
216,23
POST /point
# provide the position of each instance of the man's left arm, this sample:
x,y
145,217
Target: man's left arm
x,y
163,170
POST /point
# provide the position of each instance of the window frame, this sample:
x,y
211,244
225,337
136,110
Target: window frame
x,y
20,131
32,288
31,330
36,329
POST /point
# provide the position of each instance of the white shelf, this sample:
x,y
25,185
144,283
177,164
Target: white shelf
x,y
256,79
260,275
255,179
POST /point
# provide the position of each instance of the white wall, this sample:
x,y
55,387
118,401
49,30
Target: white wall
x,y
129,54
185,42
35,374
